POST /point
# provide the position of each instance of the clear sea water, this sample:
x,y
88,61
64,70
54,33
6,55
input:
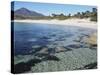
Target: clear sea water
x,y
28,35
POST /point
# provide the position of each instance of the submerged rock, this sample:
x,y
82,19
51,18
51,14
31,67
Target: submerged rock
x,y
60,49
51,57
75,46
43,51
45,37
92,41
23,67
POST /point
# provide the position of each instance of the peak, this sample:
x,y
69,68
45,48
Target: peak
x,y
23,8
25,11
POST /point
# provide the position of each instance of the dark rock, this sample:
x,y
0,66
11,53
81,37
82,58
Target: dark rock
x,y
51,51
91,66
93,47
44,37
51,57
25,66
21,68
75,46
53,35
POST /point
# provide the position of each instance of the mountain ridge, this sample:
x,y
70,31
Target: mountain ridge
x,y
27,12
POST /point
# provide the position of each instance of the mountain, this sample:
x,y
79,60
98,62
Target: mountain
x,y
24,11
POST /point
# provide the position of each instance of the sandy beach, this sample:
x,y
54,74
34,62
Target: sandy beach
x,y
69,22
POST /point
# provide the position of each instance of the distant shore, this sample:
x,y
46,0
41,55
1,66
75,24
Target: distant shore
x,y
69,22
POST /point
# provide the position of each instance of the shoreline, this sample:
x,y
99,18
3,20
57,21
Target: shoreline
x,y
69,22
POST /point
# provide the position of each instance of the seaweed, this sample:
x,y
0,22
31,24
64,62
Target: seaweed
x,y
25,66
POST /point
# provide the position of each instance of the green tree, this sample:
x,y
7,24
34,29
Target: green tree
x,y
94,10
94,14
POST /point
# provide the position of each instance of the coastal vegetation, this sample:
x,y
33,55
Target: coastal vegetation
x,y
24,13
87,14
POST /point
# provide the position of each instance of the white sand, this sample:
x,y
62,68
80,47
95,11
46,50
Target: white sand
x,y
69,22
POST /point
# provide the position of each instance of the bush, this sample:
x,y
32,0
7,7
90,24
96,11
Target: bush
x,y
93,18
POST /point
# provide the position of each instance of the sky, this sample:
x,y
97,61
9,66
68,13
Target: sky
x,y
49,8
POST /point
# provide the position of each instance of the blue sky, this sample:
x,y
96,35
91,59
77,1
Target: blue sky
x,y
48,8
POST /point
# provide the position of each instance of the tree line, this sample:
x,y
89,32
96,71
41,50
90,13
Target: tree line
x,y
87,14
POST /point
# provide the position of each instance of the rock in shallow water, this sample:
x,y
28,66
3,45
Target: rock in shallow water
x,y
51,57
75,46
91,66
23,67
43,51
92,39
60,49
